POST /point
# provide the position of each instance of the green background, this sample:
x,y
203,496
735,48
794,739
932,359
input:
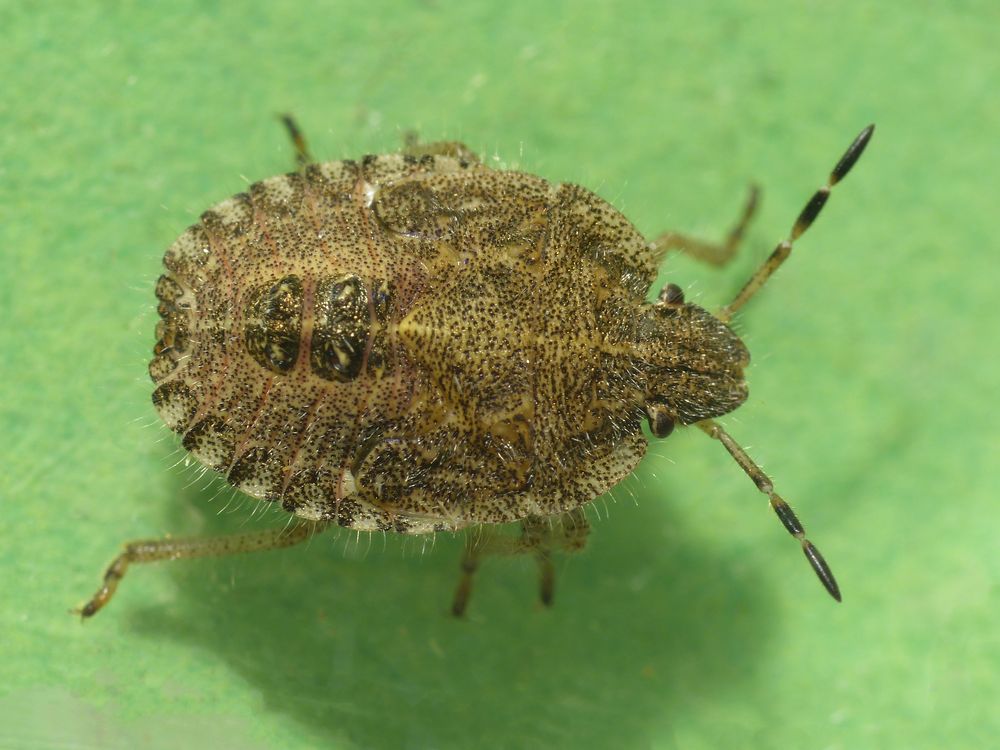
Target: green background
x,y
691,620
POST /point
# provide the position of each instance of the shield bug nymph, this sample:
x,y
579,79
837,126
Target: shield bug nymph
x,y
415,342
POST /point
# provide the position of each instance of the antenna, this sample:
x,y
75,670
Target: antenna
x,y
782,509
805,220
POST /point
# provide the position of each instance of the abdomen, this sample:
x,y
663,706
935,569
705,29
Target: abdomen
x,y
275,357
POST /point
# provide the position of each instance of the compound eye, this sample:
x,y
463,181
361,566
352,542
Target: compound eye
x,y
672,294
661,423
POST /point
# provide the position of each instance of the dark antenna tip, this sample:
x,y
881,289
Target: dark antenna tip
x,y
852,154
821,569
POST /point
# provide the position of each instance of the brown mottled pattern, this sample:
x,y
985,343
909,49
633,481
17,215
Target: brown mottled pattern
x,y
410,344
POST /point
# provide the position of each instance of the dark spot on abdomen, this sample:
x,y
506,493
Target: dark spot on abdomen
x,y
273,324
340,330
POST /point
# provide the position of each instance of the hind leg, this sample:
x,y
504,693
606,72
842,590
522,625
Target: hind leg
x,y
540,536
152,550
302,156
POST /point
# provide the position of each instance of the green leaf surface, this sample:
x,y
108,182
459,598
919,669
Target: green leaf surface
x,y
691,621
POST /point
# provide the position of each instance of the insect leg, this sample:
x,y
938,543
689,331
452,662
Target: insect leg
x,y
568,533
478,542
412,146
802,223
302,156
782,509
540,536
713,253
151,550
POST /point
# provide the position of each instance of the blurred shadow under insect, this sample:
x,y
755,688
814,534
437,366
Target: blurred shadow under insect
x,y
414,342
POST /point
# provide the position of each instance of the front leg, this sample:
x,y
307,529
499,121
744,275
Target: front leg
x,y
540,535
713,253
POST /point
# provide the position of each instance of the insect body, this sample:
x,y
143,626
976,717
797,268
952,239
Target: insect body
x,y
415,343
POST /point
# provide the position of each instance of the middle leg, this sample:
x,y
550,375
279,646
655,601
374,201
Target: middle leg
x,y
413,146
540,535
